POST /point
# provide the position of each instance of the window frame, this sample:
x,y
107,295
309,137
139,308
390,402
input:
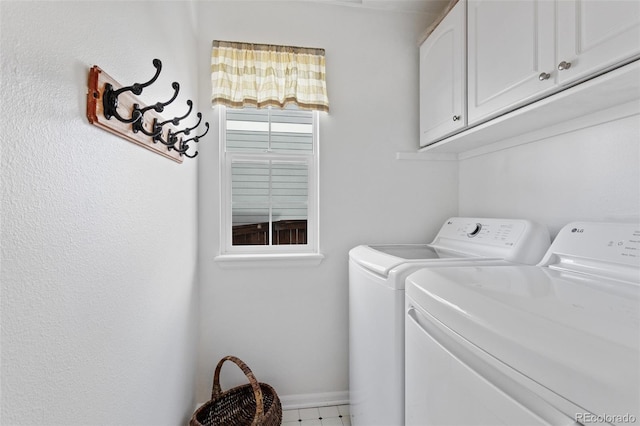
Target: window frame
x,y
233,253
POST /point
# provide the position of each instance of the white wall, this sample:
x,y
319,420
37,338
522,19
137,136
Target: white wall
x,y
99,242
291,325
591,174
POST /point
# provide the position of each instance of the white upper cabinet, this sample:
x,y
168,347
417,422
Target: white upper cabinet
x,y
511,54
442,78
524,58
595,35
520,51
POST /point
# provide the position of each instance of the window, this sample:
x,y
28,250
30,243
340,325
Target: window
x,y
269,176
268,98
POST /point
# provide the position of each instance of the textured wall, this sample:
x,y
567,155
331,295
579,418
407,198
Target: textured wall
x,y
99,240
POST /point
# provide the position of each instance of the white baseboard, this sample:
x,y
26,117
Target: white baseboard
x,y
309,400
291,402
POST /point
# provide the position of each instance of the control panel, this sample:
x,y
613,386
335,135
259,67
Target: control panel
x,y
517,240
484,231
605,242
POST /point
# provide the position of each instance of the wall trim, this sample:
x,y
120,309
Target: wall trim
x,y
291,402
273,260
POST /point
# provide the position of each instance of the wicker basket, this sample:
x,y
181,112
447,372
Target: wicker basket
x,y
255,404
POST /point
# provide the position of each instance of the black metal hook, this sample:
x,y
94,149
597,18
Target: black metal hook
x,y
196,139
110,96
171,139
176,120
195,154
184,144
188,130
138,125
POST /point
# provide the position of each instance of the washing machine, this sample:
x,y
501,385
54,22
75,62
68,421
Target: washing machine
x,y
377,276
557,343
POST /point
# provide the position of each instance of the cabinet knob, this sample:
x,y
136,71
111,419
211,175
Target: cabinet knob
x,y
544,76
564,65
456,117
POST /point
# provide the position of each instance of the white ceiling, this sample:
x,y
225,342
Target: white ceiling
x,y
433,8
430,7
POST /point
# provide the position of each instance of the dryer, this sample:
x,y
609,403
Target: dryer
x,y
552,344
377,276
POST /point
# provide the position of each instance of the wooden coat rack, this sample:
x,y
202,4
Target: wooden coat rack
x,y
116,109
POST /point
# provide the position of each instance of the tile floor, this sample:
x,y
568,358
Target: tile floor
x,y
335,415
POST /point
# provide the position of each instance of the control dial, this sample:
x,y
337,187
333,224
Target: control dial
x,y
473,229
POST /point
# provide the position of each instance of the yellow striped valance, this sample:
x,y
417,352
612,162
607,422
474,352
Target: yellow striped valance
x,y
261,75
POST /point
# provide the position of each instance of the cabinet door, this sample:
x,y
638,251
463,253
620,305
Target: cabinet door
x,y
594,35
442,78
511,54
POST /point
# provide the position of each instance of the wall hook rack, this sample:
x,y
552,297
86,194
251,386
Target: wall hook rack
x,y
117,109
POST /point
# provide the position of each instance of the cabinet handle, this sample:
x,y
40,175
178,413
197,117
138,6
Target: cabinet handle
x,y
456,117
544,76
564,65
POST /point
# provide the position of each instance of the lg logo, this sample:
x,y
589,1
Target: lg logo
x,y
578,230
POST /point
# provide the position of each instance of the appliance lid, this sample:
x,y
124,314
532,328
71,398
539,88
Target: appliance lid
x,y
409,251
575,334
511,240
381,259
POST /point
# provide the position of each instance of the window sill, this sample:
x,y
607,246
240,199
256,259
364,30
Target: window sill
x,y
272,260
